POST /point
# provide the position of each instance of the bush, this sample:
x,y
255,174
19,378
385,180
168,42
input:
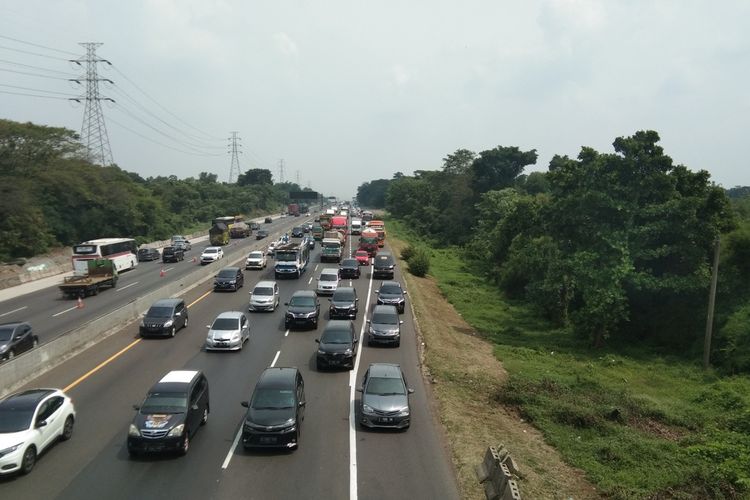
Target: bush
x,y
419,262
408,252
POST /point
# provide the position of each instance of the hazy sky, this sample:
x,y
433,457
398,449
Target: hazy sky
x,y
349,91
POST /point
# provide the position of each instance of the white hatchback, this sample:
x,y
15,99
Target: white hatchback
x,y
31,421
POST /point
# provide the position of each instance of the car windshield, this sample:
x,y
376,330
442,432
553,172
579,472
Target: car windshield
x,y
390,289
165,402
383,259
255,255
329,277
227,273
385,319
336,337
211,250
302,302
225,324
5,334
15,419
272,399
286,256
349,263
380,386
362,253
343,296
159,312
264,290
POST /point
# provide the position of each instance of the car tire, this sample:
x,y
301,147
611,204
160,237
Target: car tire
x,y
204,419
397,344
319,366
67,431
29,460
185,325
133,453
11,355
172,331
185,444
34,343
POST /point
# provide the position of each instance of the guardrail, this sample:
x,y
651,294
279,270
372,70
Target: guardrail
x,y
497,473
33,363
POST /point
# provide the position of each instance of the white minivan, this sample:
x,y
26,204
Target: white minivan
x,y
328,281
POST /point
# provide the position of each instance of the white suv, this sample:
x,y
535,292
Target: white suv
x,y
211,254
255,260
328,281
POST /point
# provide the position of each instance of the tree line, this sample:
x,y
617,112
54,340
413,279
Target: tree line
x,y
51,195
618,246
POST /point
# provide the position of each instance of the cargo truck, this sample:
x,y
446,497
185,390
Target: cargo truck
x,y
330,250
89,277
368,241
291,259
293,209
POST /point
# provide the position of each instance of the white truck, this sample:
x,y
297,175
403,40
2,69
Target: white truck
x,y
356,226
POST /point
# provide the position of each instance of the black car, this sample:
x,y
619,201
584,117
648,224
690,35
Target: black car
x,y
275,410
303,309
298,232
385,397
262,233
254,226
165,317
174,409
172,254
16,338
268,220
145,254
229,278
344,303
383,265
337,345
391,293
349,268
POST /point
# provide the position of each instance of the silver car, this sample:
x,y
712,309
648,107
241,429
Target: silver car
x,y
384,326
385,397
229,332
264,297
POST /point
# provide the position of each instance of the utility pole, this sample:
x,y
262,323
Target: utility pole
x,y
281,171
297,177
711,302
93,131
234,167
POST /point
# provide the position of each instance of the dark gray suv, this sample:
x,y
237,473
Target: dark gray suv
x,y
337,347
391,293
303,309
165,317
344,303
384,326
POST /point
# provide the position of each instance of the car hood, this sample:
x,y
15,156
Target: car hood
x,y
385,403
9,439
222,334
301,310
335,347
209,256
255,259
269,417
261,299
342,304
156,421
390,296
384,327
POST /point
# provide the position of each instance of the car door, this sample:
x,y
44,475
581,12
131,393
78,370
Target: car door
x,y
244,328
21,340
48,421
301,403
195,410
276,295
240,278
180,314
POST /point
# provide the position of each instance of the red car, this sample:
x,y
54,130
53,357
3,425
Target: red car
x,y
362,257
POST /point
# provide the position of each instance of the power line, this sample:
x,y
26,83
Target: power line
x,y
32,53
38,45
36,67
33,74
157,142
35,90
34,95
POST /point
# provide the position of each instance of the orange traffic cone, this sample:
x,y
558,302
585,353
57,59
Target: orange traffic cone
x,y
79,304
194,259
162,273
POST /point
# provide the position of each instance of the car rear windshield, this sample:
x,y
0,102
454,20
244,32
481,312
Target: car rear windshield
x,y
255,255
272,399
391,289
381,386
385,319
349,262
165,402
227,273
211,250
225,324
14,419
385,260
263,290
159,312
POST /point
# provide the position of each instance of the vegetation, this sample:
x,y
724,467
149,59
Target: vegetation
x,y
640,424
50,195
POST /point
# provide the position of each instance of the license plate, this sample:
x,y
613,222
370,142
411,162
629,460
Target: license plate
x,y
267,439
386,420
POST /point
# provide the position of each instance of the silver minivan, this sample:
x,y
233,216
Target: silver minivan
x,y
328,281
264,297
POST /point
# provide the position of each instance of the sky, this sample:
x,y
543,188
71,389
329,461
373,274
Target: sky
x,y
348,91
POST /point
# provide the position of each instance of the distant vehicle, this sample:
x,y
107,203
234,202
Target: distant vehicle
x,y
328,281
264,297
276,409
384,326
298,232
383,265
349,268
317,232
254,226
164,317
229,278
183,245
303,309
330,250
239,230
366,216
90,277
362,257
307,227
229,331
309,240
356,226
337,346
325,221
121,251
293,209
211,254
172,254
218,234
368,241
174,408
379,227
145,254
385,397
30,422
271,249
16,338
340,223
256,260
344,303
261,234
178,237
391,293
268,220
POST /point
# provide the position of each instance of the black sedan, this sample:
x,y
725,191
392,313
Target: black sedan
x,y
298,232
16,338
349,268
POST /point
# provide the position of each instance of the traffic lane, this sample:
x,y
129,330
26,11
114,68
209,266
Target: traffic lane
x,y
319,467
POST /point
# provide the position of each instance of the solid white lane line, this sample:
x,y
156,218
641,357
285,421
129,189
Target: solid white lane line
x,y
286,334
126,286
168,269
13,311
352,397
236,441
310,280
63,312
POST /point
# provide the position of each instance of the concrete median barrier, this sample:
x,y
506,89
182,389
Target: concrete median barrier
x,y
495,475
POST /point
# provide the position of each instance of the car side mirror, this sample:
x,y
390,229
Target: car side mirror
x,y
369,321
194,407
376,291
245,404
401,322
410,391
302,403
360,389
356,339
286,303
317,341
208,326
404,292
43,423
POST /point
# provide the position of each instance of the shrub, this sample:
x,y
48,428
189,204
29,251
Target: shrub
x,y
419,262
407,252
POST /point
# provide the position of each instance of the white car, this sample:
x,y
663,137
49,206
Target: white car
x,y
255,260
211,254
272,247
31,421
328,281
264,297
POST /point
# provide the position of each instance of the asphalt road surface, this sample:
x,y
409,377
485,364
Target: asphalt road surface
x,y
336,459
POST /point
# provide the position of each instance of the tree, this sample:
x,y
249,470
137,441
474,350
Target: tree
x,y
498,168
208,178
458,162
255,176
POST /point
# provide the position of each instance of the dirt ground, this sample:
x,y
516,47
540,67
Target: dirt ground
x,y
463,376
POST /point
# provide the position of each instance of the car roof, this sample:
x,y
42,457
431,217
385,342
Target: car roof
x,y
176,380
265,284
385,370
348,261
304,293
230,315
26,400
256,251
390,283
385,308
330,270
13,325
341,290
166,302
278,377
234,269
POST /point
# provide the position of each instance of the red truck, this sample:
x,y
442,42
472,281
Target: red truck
x,y
340,223
293,209
368,241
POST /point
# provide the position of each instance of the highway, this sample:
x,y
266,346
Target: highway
x,y
336,458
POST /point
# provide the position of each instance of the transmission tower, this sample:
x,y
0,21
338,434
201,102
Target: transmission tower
x,y
93,131
281,171
234,168
297,177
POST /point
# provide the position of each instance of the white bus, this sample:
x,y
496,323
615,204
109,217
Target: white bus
x,y
121,251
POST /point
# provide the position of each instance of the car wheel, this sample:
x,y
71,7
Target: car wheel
x,y
318,366
34,343
172,331
185,325
205,416
67,431
11,355
133,453
185,444
29,460
397,343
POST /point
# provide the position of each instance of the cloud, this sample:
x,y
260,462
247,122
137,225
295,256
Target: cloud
x,y
285,44
400,76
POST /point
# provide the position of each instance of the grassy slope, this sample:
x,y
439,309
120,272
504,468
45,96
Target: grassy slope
x,y
639,425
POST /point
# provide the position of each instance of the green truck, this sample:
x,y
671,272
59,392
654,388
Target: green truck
x,y
317,233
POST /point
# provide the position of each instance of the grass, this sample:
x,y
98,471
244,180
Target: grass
x,y
638,424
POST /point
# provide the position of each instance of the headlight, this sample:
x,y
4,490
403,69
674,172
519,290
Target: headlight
x,y
372,331
176,430
232,282
143,322
10,449
236,336
321,351
168,323
348,351
404,412
133,431
367,409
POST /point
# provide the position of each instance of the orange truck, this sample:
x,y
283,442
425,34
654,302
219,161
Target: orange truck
x,y
379,226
